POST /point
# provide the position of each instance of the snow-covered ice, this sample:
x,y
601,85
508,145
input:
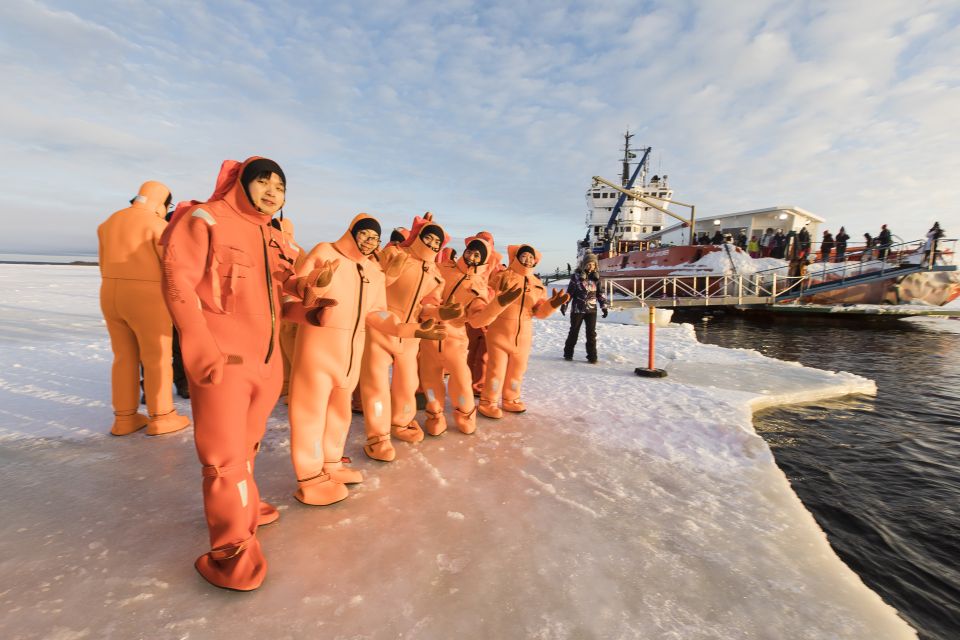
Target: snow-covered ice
x,y
615,507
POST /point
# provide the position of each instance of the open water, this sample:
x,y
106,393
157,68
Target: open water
x,y
881,475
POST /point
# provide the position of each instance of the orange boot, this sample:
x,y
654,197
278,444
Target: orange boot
x,y
126,424
410,432
167,423
466,422
380,448
320,490
436,422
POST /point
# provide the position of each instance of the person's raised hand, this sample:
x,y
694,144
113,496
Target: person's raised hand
x,y
394,264
430,330
450,311
323,274
558,298
508,294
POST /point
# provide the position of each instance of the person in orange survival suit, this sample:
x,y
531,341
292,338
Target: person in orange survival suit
x,y
414,293
465,284
510,336
328,354
288,328
137,319
225,271
477,346
397,237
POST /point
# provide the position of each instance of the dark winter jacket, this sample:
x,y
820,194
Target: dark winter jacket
x,y
585,293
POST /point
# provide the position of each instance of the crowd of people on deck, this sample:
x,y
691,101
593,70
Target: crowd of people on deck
x,y
346,325
797,246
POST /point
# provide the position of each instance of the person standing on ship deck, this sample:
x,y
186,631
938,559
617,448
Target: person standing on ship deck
x,y
841,239
826,247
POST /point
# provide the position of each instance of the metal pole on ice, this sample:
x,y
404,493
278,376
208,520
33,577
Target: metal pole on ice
x,y
651,371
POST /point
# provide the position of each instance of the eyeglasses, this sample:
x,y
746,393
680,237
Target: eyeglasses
x,y
368,237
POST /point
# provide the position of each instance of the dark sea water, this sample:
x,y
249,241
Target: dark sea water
x,y
881,475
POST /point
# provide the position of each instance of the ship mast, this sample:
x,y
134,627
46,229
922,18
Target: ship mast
x,y
627,157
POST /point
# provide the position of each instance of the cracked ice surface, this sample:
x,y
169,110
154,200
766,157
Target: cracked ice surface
x,y
615,507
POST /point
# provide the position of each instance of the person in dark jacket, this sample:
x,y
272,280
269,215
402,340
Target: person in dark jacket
x,y
884,240
803,242
868,243
585,297
841,239
826,247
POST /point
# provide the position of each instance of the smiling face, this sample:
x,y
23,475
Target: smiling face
x,y
472,257
368,241
527,259
432,240
267,193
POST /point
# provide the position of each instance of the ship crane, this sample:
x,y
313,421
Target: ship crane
x,y
628,191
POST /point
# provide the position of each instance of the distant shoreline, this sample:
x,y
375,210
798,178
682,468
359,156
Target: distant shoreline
x,y
74,263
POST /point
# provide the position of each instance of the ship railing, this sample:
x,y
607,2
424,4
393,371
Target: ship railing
x,y
872,262
700,290
898,251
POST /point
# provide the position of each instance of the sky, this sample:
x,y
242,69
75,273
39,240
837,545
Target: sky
x,y
492,115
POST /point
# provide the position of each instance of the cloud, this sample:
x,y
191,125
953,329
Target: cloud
x,y
493,115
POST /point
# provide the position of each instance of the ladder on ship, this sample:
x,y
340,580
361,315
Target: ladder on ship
x,y
771,286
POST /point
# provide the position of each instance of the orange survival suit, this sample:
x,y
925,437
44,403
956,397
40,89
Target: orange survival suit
x,y
477,344
327,365
225,271
465,285
415,293
288,328
137,320
510,336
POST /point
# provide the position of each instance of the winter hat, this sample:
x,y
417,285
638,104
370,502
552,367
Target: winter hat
x,y
434,229
364,224
588,258
259,167
478,245
526,249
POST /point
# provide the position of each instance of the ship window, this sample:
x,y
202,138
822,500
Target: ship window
x,y
596,194
644,229
656,228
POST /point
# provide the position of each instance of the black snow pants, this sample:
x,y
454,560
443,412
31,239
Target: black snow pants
x,y
576,319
